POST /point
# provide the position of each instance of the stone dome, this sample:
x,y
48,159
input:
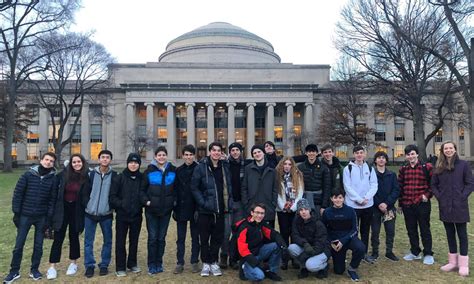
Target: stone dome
x,y
219,42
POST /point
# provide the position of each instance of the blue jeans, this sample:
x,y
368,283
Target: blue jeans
x,y
182,227
157,227
22,232
90,226
268,252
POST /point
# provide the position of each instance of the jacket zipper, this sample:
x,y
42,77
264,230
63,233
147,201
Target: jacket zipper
x,y
100,193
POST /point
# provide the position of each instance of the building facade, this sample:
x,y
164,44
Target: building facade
x,y
217,82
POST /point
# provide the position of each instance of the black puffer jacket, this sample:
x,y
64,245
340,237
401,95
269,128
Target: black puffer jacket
x,y
158,188
185,205
311,231
35,195
125,195
317,180
335,170
204,188
58,217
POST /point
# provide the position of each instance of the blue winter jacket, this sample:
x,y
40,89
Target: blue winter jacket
x,y
388,189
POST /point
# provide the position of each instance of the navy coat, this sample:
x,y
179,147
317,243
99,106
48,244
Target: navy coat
x,y
452,189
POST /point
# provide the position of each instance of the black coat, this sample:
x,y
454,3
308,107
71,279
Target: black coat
x,y
158,188
311,231
258,188
335,171
125,196
204,188
318,180
58,217
35,195
388,189
185,205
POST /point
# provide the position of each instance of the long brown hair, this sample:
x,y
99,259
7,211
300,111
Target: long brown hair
x,y
72,175
443,163
296,175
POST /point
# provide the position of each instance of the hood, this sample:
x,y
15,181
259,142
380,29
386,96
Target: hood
x,y
35,170
97,170
154,164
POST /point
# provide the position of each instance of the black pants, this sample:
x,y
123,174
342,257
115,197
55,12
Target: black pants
x,y
122,228
285,221
339,257
182,227
451,230
364,219
69,219
211,235
419,216
389,232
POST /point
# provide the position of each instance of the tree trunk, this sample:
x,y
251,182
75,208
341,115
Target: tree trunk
x,y
10,127
418,125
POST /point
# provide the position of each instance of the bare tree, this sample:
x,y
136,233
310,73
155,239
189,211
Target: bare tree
x,y
400,69
342,120
79,67
139,144
451,19
22,22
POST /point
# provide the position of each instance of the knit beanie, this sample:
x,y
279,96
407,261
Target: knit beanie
x,y
134,157
260,147
236,145
302,204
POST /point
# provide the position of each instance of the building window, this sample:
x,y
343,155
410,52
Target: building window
x,y
399,150
55,110
439,136
162,134
278,133
141,112
34,113
399,131
96,140
462,145
381,148
32,143
341,152
240,119
361,132
95,111
75,110
14,152
380,132
298,149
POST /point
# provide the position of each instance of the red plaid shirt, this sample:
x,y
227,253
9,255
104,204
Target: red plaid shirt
x,y
413,184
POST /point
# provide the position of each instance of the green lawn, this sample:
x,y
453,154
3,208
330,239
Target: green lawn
x,y
381,272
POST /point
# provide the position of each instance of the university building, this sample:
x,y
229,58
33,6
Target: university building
x,y
216,83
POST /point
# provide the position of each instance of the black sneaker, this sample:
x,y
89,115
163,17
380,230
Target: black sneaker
x,y
391,256
89,272
272,276
35,275
11,277
369,259
303,273
375,256
103,271
321,274
353,275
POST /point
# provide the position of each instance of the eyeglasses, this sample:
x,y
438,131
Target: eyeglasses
x,y
259,212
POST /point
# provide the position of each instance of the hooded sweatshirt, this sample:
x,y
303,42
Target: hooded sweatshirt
x,y
359,184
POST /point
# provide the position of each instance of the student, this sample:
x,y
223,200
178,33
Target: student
x,y
158,196
184,211
259,185
33,205
272,158
310,245
452,184
317,180
291,187
95,200
258,243
360,185
334,166
384,207
415,193
125,199
68,213
341,223
212,190
237,170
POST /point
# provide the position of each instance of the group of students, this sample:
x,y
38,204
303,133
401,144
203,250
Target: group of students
x,y
231,204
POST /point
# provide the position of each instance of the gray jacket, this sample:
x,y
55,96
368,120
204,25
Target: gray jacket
x,y
95,194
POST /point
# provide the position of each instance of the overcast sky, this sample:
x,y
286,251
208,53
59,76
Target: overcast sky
x,y
301,31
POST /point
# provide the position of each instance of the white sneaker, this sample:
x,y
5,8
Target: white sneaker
x,y
206,268
51,273
428,260
215,269
410,257
72,269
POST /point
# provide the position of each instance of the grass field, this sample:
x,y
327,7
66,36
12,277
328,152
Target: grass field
x,y
383,271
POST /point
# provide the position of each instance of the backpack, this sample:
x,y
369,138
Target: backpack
x,y
234,255
425,170
370,169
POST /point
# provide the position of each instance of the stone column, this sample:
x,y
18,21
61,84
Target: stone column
x,y
250,128
171,130
131,133
43,130
85,133
309,121
231,122
210,122
190,124
370,124
270,127
290,123
150,128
